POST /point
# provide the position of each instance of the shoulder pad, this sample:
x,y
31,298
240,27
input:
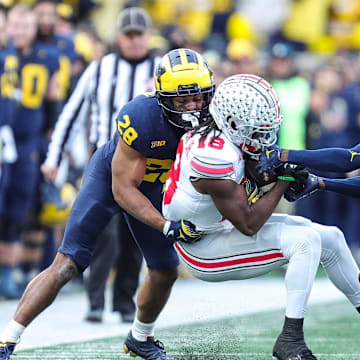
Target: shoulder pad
x,y
210,167
217,159
142,106
46,49
150,94
134,120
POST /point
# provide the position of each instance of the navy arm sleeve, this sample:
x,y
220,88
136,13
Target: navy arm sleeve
x,y
332,159
349,186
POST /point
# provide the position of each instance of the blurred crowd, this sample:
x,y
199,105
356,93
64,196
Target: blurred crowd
x,y
308,50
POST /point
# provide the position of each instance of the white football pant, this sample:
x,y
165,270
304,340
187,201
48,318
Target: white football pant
x,y
284,239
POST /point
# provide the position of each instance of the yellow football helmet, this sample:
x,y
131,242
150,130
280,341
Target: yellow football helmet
x,y
184,72
56,204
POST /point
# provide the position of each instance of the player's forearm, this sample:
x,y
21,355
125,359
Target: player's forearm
x,y
139,206
349,186
332,159
260,212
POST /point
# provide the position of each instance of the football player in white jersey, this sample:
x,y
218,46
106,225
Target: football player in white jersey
x,y
244,239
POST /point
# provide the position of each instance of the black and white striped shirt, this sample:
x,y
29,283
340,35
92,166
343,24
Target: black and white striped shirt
x,y
104,87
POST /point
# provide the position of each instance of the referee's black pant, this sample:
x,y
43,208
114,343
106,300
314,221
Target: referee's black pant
x,y
117,249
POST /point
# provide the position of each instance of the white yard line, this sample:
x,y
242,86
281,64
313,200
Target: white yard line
x,y
191,301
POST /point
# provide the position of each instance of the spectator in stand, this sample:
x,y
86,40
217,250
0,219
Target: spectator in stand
x,y
243,56
294,94
328,125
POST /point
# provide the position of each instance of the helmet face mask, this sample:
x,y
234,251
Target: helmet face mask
x,y
246,109
183,72
257,139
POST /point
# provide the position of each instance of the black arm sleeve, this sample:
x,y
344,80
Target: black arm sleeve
x,y
51,113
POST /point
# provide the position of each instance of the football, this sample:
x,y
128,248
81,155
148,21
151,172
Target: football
x,y
261,179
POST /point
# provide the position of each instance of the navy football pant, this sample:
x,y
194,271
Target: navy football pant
x,y
93,209
18,188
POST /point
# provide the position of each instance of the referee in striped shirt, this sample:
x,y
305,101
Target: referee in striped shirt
x,y
103,89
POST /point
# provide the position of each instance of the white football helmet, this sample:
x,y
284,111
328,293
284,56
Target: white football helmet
x,y
247,110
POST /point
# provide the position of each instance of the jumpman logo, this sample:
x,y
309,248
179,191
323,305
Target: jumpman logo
x,y
268,152
353,154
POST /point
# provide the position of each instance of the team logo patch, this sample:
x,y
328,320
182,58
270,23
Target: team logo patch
x,y
61,44
42,53
158,143
353,154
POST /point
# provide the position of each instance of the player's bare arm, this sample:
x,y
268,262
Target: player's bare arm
x,y
231,200
128,170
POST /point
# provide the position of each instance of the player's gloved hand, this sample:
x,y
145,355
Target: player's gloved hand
x,y
270,159
297,174
182,230
310,186
253,191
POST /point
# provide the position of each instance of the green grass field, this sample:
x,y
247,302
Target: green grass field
x,y
332,332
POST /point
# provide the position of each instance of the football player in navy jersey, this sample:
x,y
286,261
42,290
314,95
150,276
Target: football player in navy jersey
x,y
330,159
9,78
70,63
127,175
38,65
37,234
8,81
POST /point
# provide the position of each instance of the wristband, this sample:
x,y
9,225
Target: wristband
x,y
286,178
166,227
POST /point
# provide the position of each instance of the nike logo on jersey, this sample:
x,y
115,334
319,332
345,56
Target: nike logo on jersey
x,y
158,143
353,154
